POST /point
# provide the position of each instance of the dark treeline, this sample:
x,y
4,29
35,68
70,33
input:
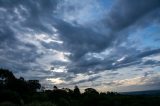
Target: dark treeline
x,y
20,92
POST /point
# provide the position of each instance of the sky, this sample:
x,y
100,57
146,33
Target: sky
x,y
109,45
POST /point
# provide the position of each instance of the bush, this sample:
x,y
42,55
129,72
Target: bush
x,y
40,104
7,104
10,96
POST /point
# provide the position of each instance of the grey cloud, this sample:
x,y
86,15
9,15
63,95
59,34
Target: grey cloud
x,y
151,81
148,53
59,63
79,40
152,63
112,83
39,17
91,79
137,59
146,74
139,56
155,81
126,13
35,13
52,45
97,65
17,18
40,14
145,81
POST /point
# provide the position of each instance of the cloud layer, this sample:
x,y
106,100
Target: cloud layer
x,y
66,43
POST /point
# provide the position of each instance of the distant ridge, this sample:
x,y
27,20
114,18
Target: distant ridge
x,y
147,92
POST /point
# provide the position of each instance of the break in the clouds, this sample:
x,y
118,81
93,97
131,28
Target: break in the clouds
x,y
106,44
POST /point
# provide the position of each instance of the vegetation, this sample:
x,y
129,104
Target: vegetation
x,y
20,92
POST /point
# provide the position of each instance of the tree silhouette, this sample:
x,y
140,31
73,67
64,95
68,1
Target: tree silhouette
x,y
55,87
33,85
9,81
6,74
76,91
90,91
24,92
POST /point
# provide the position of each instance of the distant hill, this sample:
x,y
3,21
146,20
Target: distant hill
x,y
147,93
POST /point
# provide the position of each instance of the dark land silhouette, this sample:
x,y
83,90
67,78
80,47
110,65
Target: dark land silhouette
x,y
20,92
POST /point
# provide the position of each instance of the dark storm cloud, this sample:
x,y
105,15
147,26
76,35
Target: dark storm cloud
x,y
97,65
38,17
52,45
77,39
6,35
21,14
137,58
36,13
80,40
126,13
86,80
152,63
18,60
17,18
148,53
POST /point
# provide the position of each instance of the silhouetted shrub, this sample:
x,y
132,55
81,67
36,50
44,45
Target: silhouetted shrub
x,y
10,96
40,104
20,92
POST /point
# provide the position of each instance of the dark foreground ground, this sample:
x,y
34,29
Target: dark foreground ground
x,y
20,92
63,98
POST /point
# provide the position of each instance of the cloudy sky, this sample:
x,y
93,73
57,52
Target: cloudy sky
x,y
104,44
